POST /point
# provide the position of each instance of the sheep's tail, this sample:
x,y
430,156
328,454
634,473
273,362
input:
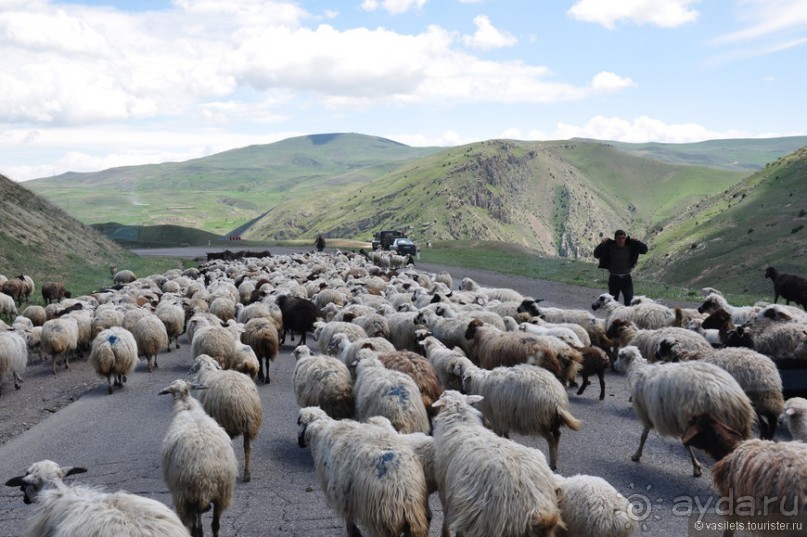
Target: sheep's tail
x,y
541,524
679,317
568,420
418,521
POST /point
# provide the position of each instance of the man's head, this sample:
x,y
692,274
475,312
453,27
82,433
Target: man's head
x,y
620,237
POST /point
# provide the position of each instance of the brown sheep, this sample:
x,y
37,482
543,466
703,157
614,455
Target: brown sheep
x,y
54,292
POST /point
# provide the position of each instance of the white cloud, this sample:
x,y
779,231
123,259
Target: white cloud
x,y
488,37
640,130
662,13
606,81
764,18
392,6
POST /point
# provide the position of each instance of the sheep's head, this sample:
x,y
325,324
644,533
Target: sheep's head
x,y
795,410
530,306
709,434
301,351
626,358
38,476
602,301
666,351
306,417
712,303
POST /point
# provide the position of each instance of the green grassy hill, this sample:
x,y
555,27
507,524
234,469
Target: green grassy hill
x,y
42,241
220,192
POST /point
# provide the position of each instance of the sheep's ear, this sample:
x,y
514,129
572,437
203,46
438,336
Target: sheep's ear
x,y
471,399
70,470
15,481
790,412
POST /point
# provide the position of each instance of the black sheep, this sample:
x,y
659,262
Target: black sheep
x,y
788,286
299,315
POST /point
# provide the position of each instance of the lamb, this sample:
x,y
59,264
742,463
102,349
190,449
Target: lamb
x,y
59,337
595,362
564,334
525,399
739,314
151,337
368,475
498,348
232,399
13,356
794,415
788,286
756,374
28,286
580,337
666,395
54,292
299,315
379,391
322,381
589,505
260,333
768,476
472,462
114,355
64,510
593,326
198,462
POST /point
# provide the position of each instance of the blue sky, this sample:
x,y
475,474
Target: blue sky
x,y
90,85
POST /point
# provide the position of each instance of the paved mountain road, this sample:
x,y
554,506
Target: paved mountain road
x,y
118,438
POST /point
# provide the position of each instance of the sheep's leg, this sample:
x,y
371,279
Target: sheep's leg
x,y
585,383
197,530
247,453
553,439
53,363
17,380
638,455
352,529
216,522
601,376
109,383
696,466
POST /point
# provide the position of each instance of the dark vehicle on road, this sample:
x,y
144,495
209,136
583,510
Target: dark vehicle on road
x,y
383,239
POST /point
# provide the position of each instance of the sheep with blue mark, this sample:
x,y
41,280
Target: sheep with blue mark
x,y
379,391
114,355
368,474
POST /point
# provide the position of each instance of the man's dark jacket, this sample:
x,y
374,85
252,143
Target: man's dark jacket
x,y
602,252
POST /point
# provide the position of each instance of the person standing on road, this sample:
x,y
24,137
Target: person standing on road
x,y
320,243
619,255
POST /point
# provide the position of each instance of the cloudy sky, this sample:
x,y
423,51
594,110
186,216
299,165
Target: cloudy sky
x,y
90,85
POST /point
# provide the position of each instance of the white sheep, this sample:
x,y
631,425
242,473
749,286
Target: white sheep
x,y
774,339
124,276
198,461
794,416
566,335
647,315
451,331
489,485
173,317
524,399
65,510
447,363
379,391
348,351
323,381
666,395
624,332
36,314
13,356
590,505
324,332
114,355
739,314
151,337
368,475
756,374
59,337
502,294
7,306
232,399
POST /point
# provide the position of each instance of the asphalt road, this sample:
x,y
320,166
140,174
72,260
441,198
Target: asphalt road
x,y
118,438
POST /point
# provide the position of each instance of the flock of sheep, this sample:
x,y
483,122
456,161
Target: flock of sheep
x,y
413,388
